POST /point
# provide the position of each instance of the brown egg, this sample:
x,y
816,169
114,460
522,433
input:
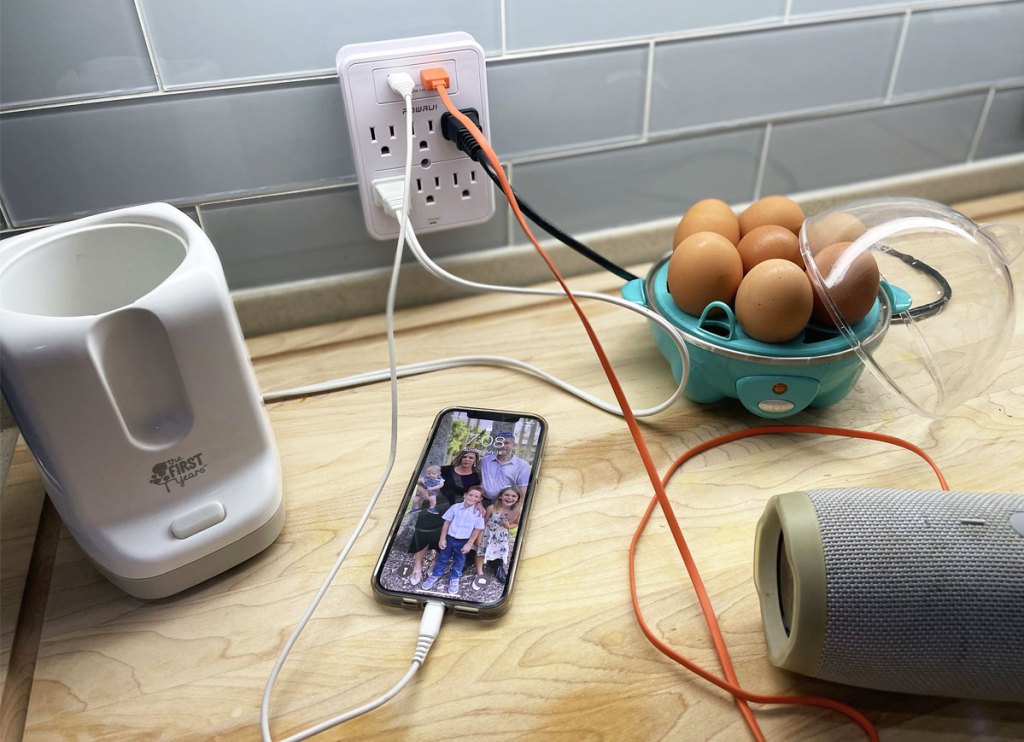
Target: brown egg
x,y
705,267
852,282
769,241
772,210
836,227
709,215
774,301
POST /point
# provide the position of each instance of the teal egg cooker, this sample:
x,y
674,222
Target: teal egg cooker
x,y
773,380
939,325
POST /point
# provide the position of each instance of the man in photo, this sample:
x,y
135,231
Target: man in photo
x,y
503,468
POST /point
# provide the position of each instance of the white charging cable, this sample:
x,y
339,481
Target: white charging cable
x,y
433,614
430,627
386,194
394,195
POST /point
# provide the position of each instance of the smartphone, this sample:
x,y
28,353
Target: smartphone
x,y
459,529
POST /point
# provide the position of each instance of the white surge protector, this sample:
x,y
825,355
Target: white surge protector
x,y
448,190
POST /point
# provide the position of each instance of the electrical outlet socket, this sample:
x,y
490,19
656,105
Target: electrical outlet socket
x,y
448,189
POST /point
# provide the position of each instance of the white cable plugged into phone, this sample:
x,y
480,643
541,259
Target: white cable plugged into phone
x,y
430,627
433,613
392,195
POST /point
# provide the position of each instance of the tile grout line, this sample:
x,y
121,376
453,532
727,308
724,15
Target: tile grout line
x,y
982,120
199,216
276,194
645,122
511,224
149,46
503,21
165,93
762,164
250,197
787,13
6,215
898,58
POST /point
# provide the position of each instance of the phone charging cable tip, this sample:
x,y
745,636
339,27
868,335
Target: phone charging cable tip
x,y
430,627
401,82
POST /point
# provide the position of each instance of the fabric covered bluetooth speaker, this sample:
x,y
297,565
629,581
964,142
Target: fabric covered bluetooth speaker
x,y
898,590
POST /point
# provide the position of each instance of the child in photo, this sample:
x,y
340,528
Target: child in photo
x,y
462,526
496,542
427,488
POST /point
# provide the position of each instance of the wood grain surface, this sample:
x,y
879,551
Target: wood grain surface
x,y
568,661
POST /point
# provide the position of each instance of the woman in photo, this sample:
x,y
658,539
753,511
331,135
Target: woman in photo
x,y
462,473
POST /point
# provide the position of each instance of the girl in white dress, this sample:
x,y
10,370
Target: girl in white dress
x,y
495,541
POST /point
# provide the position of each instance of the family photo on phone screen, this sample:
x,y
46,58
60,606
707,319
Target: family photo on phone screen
x,y
462,516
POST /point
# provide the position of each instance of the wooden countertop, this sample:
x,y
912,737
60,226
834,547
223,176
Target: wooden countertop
x,y
568,661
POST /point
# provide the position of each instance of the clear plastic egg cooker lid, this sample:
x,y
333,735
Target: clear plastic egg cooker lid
x,y
947,282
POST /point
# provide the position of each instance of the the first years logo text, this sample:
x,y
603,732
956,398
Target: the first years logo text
x,y
178,470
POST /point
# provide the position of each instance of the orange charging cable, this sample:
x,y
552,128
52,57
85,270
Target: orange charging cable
x,y
437,79
698,583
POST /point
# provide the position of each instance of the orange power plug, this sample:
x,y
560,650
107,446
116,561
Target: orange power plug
x,y
434,77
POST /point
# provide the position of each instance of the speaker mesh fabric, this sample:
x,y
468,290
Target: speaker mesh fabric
x,y
925,591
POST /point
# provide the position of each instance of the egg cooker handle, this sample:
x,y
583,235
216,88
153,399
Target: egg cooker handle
x,y
728,323
899,299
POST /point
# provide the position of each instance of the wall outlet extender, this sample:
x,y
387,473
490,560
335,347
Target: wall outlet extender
x,y
448,189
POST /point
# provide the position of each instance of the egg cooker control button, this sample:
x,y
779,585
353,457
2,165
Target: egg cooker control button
x,y
760,394
198,520
775,406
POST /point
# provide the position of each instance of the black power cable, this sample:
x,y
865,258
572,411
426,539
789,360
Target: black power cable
x,y
457,133
558,234
934,307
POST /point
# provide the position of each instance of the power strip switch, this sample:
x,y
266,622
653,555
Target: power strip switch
x,y
448,189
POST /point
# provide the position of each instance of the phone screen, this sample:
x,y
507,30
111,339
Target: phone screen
x,y
460,527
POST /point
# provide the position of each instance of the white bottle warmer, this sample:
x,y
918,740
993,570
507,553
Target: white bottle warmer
x,y
123,362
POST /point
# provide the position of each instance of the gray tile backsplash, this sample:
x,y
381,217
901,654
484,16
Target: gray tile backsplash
x,y
541,23
521,92
55,50
64,162
257,238
197,42
1004,125
609,116
638,184
962,46
872,144
701,82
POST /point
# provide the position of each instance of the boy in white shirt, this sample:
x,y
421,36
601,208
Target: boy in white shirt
x,y
463,525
